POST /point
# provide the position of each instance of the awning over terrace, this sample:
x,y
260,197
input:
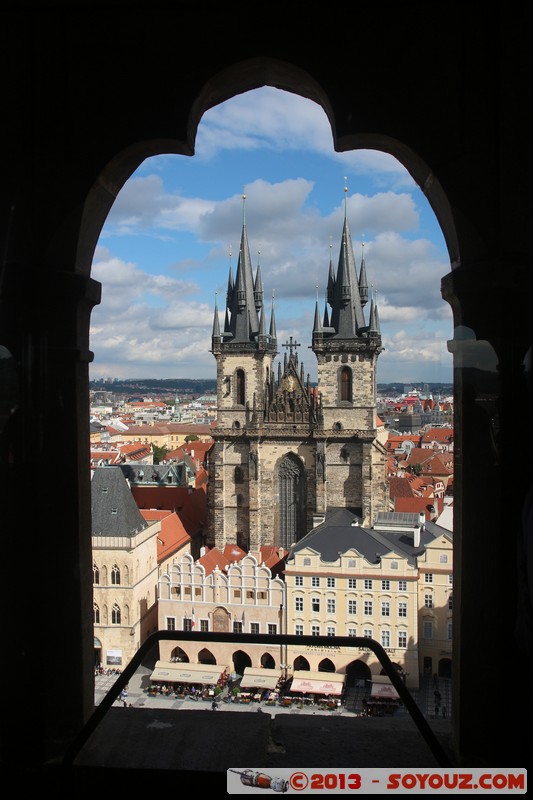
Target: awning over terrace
x,y
317,682
260,678
172,672
382,687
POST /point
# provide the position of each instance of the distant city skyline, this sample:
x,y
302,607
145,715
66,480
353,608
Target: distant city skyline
x,y
164,252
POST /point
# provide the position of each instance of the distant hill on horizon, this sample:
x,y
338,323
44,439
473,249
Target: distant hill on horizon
x,y
198,386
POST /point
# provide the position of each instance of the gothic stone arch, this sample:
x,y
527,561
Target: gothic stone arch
x,y
292,495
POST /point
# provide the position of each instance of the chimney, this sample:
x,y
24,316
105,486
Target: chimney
x,y
416,536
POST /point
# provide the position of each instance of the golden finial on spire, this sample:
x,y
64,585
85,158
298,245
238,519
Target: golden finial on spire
x,y
345,197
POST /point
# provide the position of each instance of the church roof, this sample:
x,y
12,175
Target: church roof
x,y
341,532
114,511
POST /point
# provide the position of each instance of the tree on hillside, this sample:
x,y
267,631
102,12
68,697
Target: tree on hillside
x,y
192,437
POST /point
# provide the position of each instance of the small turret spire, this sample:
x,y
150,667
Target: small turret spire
x,y
317,325
258,286
216,322
272,332
363,284
373,326
229,293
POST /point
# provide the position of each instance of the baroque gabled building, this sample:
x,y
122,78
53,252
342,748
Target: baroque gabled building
x,y
285,451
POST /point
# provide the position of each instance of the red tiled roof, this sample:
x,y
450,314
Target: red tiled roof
x,y
444,435
172,537
193,512
413,505
233,552
272,557
213,558
399,487
147,404
179,427
172,497
135,450
436,463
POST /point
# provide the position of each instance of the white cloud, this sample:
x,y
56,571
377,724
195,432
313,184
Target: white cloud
x,y
151,323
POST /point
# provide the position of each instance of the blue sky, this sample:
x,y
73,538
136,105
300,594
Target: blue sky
x,y
164,253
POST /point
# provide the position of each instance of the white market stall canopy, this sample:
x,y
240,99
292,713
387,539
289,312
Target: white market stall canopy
x,y
317,682
173,672
260,678
382,687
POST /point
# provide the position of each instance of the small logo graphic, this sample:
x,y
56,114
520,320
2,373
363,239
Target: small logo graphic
x,y
261,781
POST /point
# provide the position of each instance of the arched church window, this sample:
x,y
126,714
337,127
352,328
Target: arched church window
x,y
292,494
239,381
115,615
96,614
115,575
239,475
96,574
346,384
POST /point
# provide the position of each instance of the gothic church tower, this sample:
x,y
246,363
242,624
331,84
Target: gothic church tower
x,y
284,451
347,348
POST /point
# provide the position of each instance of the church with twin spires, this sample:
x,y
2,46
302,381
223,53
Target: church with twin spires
x,y
285,452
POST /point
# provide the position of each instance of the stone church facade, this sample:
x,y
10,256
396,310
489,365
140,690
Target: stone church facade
x,y
285,452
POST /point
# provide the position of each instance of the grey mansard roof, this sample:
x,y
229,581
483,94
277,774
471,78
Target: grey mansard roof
x,y
341,532
155,474
114,510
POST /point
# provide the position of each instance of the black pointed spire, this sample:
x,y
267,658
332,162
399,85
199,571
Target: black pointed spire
x,y
231,284
258,287
346,310
317,325
244,320
216,321
374,327
331,277
363,284
272,332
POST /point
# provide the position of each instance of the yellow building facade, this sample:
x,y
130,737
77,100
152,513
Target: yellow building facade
x,y
124,594
435,600
354,597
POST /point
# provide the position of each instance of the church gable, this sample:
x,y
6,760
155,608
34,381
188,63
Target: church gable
x,y
290,399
